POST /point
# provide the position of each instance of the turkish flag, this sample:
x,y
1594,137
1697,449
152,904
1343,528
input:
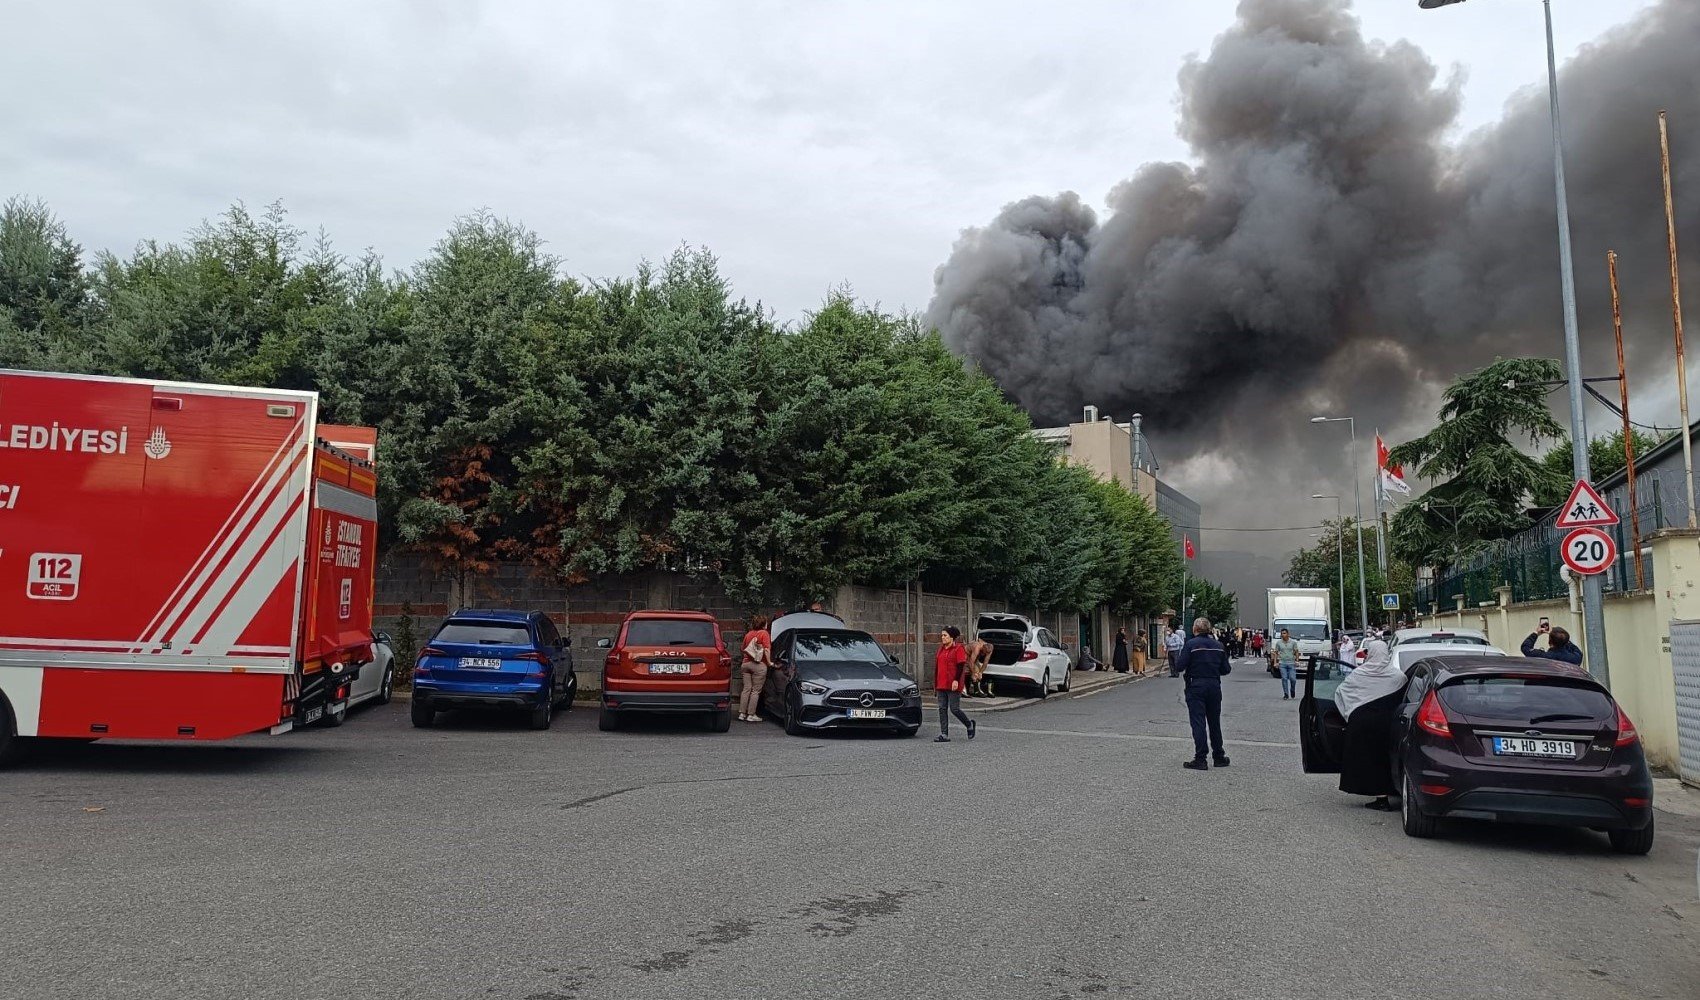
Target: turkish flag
x,y
1190,554
1392,475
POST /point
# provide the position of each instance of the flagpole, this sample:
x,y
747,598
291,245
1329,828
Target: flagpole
x,y
1380,529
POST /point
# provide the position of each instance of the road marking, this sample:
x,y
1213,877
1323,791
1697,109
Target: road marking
x,y
1130,736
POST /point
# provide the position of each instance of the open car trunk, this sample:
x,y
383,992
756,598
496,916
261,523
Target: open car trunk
x,y
1007,634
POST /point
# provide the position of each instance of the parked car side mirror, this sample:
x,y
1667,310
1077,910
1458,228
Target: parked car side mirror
x,y
604,644
564,641
383,637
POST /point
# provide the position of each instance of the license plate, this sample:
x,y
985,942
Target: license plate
x,y
480,663
669,668
867,713
314,714
1520,746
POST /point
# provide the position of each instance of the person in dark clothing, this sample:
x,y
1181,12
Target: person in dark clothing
x,y
1121,658
1369,699
1559,646
1203,662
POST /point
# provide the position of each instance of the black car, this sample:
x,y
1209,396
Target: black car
x,y
826,676
1503,738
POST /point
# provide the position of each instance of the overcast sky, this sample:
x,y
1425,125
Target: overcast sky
x,y
807,144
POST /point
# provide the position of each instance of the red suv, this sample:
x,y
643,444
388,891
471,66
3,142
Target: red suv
x,y
667,661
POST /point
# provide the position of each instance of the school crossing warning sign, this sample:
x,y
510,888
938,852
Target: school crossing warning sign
x,y
1585,508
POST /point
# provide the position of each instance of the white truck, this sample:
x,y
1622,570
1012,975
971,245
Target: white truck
x,y
1304,613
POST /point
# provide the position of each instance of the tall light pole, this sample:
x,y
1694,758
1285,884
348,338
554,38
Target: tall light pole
x,y
1593,590
1339,549
1358,503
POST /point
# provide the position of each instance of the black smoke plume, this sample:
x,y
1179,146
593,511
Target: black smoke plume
x,y
1335,245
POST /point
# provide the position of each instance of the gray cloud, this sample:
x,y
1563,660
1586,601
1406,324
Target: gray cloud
x,y
1334,246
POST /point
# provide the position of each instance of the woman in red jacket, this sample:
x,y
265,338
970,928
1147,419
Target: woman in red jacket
x,y
947,674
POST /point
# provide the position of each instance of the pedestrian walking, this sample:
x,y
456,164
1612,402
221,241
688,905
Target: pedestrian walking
x,y
758,656
1559,646
1257,644
1368,699
1139,652
1173,642
947,681
1348,649
1286,652
1204,663
1122,661
979,658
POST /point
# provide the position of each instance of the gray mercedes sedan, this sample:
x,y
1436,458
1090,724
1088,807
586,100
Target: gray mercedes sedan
x,y
827,676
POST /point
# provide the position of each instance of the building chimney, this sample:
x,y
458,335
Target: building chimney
x,y
1091,414
1135,435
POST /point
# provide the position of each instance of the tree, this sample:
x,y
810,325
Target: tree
x,y
1320,566
44,292
1209,600
1485,481
1605,458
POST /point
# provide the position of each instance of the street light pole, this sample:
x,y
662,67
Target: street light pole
x,y
1593,590
1358,503
1339,549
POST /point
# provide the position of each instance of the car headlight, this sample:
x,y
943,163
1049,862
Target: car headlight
x,y
910,690
810,687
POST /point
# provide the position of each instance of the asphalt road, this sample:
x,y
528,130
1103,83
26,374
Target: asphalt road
x,y
1063,853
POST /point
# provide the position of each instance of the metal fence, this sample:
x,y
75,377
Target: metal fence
x,y
1529,563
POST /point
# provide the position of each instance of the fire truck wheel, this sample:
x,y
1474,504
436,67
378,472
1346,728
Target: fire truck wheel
x,y
335,716
11,744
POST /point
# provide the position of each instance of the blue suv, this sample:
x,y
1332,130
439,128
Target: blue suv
x,y
494,659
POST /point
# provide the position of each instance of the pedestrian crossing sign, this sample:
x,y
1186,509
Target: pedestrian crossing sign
x,y
1390,602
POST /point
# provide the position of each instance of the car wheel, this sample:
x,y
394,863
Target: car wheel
x,y
334,716
1067,682
1045,685
720,721
1632,841
423,714
607,721
566,702
544,714
1417,824
793,727
386,687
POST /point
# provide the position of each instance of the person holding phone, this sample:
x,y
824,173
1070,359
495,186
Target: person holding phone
x,y
1559,646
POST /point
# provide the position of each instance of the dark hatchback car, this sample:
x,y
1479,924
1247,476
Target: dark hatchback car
x,y
826,676
1509,739
486,658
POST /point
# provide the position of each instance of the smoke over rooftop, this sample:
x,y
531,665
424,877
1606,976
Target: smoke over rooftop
x,y
1333,245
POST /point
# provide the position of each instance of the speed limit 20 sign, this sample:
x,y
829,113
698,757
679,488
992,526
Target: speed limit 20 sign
x,y
1588,551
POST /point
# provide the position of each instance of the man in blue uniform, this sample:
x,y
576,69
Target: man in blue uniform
x,y
1204,663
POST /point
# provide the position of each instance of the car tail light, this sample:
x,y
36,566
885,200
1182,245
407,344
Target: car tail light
x,y
342,692
534,657
1432,718
1030,655
1435,789
538,674
1636,803
1626,733
611,662
431,651
421,670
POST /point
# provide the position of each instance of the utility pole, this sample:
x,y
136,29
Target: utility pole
x,y
1628,428
1676,314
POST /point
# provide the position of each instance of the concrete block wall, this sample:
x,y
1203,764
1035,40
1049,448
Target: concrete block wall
x,y
408,586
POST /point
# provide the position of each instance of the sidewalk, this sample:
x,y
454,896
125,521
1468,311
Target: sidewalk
x,y
1081,682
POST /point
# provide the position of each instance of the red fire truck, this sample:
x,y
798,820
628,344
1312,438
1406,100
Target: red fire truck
x,y
177,561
